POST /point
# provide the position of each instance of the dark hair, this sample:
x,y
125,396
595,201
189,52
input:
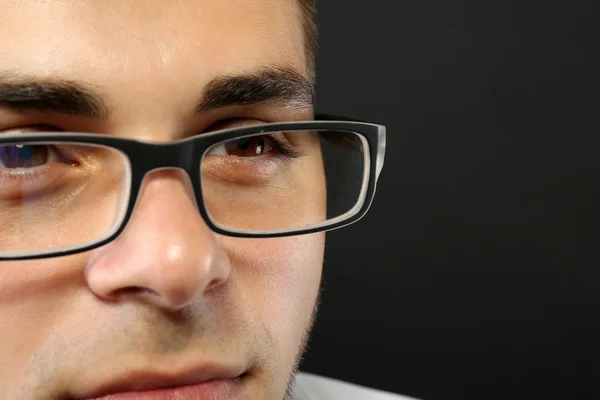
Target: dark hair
x,y
309,14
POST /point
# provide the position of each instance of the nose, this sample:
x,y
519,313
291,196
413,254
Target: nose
x,y
167,256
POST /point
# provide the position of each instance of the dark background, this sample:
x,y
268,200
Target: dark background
x,y
476,274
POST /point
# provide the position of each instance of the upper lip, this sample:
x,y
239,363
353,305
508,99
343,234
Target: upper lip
x,y
151,380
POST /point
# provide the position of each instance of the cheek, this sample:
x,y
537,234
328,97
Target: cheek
x,y
279,280
32,297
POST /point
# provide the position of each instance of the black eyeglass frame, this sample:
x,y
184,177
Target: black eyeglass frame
x,y
187,154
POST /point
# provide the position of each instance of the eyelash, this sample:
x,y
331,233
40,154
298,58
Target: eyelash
x,y
285,150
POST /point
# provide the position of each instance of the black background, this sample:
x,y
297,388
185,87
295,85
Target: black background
x,y
476,273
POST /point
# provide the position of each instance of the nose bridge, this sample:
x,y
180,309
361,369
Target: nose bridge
x,y
167,174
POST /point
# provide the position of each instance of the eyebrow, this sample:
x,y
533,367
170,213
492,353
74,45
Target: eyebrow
x,y
22,93
274,86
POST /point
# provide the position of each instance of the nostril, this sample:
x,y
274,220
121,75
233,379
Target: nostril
x,y
214,284
169,297
133,291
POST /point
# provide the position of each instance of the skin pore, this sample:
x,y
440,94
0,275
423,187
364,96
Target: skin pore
x,y
168,295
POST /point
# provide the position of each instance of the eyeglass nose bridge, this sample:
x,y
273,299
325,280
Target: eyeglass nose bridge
x,y
159,156
183,157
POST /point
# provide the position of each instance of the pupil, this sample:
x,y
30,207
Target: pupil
x,y
24,153
243,143
23,156
246,147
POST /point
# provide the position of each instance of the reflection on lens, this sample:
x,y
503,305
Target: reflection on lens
x,y
57,196
284,180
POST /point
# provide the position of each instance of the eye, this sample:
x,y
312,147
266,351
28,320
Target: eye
x,y
24,156
254,146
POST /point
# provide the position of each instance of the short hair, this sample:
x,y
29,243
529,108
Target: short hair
x,y
309,23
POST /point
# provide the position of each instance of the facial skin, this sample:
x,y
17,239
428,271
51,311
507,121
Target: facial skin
x,y
168,295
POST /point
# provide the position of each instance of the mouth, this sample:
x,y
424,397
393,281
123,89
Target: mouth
x,y
216,383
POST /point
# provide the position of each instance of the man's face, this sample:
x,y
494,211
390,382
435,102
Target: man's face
x,y
168,298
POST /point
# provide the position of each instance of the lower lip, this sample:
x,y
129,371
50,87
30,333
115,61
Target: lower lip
x,y
210,390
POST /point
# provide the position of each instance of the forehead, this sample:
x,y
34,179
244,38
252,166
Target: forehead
x,y
128,41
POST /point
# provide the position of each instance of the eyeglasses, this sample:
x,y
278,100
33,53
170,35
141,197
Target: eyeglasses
x,y
64,193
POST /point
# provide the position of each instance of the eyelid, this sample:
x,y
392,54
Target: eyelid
x,y
281,138
29,129
230,123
